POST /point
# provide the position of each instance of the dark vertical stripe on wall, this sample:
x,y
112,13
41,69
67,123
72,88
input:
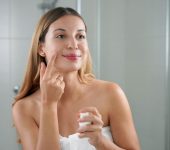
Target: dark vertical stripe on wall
x,y
167,134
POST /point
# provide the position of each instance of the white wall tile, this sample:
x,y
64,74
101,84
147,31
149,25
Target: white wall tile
x,y
24,17
146,17
67,3
4,16
4,68
19,55
112,61
89,12
112,38
7,141
113,19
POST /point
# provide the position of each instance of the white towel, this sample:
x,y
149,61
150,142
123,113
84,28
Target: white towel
x,y
73,142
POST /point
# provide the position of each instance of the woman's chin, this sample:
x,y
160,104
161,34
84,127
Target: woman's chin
x,y
69,70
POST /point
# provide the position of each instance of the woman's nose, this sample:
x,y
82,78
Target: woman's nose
x,y
72,44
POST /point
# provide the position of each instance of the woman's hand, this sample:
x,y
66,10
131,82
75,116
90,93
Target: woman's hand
x,y
51,82
94,130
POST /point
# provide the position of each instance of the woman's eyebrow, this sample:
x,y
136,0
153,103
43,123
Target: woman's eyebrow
x,y
81,30
63,30
59,29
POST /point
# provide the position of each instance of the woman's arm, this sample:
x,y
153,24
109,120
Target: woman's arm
x,y
25,125
47,135
121,123
34,138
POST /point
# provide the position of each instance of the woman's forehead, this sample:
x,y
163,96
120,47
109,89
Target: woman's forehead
x,y
68,22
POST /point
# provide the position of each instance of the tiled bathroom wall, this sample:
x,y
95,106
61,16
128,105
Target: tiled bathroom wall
x,y
16,28
134,54
146,69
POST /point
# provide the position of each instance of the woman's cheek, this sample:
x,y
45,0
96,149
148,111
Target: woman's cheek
x,y
50,54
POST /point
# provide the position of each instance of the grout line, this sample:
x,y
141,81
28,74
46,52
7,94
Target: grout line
x,y
98,39
167,78
10,47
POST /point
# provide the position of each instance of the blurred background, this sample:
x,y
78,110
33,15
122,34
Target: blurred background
x,y
129,43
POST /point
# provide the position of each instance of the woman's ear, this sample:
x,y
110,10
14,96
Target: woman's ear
x,y
41,50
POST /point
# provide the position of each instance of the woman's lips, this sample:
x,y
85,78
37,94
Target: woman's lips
x,y
72,56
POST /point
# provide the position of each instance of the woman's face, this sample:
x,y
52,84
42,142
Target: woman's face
x,y
66,38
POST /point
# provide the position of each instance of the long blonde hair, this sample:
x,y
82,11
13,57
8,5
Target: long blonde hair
x,y
32,75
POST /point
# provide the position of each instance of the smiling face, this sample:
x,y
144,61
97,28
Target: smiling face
x,y
66,38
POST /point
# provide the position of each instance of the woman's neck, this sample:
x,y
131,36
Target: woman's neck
x,y
73,87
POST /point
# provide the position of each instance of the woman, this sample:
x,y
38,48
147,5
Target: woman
x,y
59,86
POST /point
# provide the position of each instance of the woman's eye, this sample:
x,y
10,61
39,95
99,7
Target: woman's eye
x,y
81,37
60,36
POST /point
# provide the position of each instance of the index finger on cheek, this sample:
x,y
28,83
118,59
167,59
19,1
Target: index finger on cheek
x,y
51,63
52,60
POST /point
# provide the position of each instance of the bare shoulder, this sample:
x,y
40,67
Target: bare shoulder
x,y
24,108
20,108
110,89
24,113
112,96
102,84
120,116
